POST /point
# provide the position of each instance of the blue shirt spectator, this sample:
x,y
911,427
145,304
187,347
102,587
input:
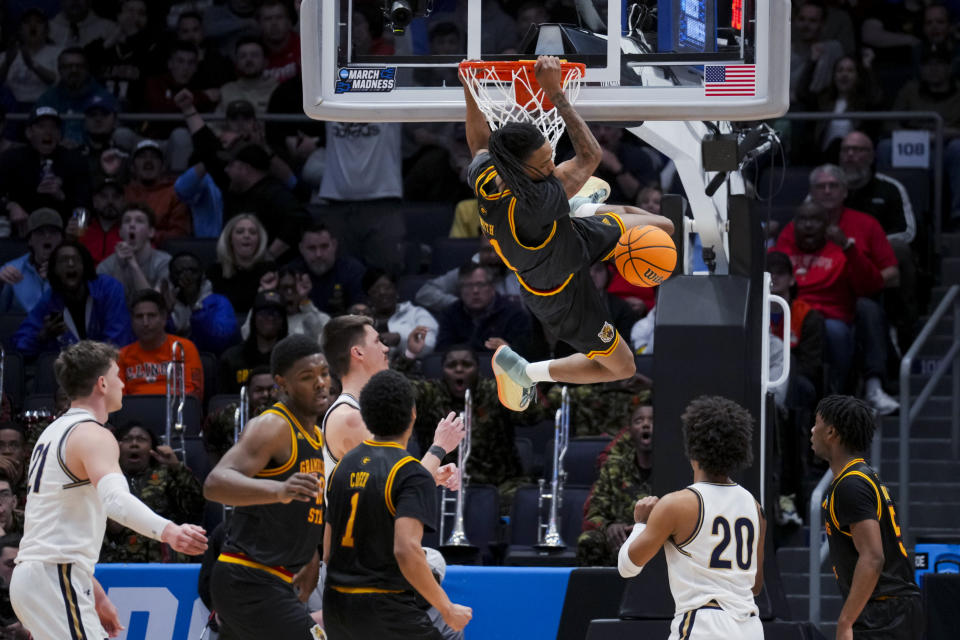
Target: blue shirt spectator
x,y
196,312
79,305
24,279
197,189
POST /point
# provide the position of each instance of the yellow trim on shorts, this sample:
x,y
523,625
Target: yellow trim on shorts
x,y
513,229
388,487
593,354
69,596
364,590
623,230
255,565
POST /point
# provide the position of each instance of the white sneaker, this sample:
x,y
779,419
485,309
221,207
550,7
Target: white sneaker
x,y
882,403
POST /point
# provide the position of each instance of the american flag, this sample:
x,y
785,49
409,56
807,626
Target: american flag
x,y
732,80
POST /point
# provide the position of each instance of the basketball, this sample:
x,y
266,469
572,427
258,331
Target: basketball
x,y
645,256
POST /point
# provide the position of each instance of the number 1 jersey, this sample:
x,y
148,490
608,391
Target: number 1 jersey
x,y
718,562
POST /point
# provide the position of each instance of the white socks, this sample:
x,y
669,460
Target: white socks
x,y
539,371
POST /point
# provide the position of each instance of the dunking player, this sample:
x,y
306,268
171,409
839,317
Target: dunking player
x,y
712,532
525,212
274,477
380,501
875,575
356,353
75,484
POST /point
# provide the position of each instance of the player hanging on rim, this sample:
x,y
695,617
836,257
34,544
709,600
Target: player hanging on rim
x,y
712,532
524,211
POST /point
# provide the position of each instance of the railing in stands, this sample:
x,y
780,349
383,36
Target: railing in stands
x,y
910,409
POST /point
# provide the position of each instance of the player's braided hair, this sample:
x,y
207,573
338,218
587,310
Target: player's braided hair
x,y
718,434
851,418
511,146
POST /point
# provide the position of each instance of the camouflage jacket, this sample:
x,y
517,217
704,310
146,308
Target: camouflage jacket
x,y
174,493
596,409
618,487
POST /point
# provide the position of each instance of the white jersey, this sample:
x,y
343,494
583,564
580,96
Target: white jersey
x,y
330,460
64,520
718,563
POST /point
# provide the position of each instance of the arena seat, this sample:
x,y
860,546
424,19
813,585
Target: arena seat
x,y
614,629
45,381
538,434
451,253
204,248
580,462
427,221
481,520
431,365
13,380
9,323
524,448
408,285
918,183
796,184
210,368
197,459
151,412
39,401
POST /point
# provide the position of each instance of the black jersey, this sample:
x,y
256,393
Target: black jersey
x,y
282,535
857,494
540,244
373,485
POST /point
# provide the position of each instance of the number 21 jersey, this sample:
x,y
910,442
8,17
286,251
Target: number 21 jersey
x,y
719,560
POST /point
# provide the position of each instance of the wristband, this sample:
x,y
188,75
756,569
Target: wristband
x,y
624,564
438,451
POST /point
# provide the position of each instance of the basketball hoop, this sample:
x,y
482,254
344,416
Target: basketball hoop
x,y
509,92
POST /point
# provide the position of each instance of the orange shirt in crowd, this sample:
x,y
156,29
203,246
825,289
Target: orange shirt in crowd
x,y
145,372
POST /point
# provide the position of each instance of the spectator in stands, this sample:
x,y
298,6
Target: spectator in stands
x,y
24,279
123,59
493,452
362,184
481,317
253,84
226,23
439,293
294,286
143,364
889,29
103,143
812,58
649,197
337,279
77,26
134,262
42,173
241,261
806,335
79,305
853,88
181,71
9,548
158,478
74,89
213,67
936,90
938,31
201,194
626,165
151,186
13,450
218,428
196,312
269,327
11,519
29,67
623,479
831,277
102,233
396,320
281,41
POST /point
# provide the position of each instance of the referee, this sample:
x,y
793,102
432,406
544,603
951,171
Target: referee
x,y
379,500
881,599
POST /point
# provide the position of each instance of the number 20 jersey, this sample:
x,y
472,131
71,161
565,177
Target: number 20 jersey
x,y
719,560
64,519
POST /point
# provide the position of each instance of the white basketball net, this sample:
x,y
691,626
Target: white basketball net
x,y
511,94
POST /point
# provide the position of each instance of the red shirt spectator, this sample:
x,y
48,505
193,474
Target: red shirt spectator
x,y
829,278
103,227
865,230
281,42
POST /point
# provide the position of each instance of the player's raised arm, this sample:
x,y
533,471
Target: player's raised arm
x,y
478,132
574,172
232,481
